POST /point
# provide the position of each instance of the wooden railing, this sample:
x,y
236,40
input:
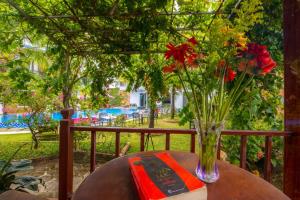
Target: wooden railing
x,y
66,147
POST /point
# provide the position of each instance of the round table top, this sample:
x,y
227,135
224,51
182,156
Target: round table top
x,y
113,181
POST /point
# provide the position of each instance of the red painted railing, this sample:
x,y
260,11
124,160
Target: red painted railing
x,y
66,147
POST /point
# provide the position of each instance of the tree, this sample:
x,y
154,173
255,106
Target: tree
x,y
26,90
38,114
146,71
64,73
5,88
173,83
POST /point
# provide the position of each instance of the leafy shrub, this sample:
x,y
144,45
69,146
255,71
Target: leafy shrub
x,y
39,124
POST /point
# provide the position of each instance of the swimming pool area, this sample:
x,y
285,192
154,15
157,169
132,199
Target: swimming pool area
x,y
104,114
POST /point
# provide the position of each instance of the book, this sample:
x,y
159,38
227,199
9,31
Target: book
x,y
159,176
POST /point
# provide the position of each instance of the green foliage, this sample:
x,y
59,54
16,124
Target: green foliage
x,y
79,138
101,72
263,106
115,99
39,124
146,71
38,106
26,88
186,116
120,121
20,77
131,18
248,14
255,151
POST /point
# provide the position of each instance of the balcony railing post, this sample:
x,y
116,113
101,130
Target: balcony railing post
x,y
65,188
93,152
142,141
117,150
291,18
167,141
193,141
243,152
268,154
219,149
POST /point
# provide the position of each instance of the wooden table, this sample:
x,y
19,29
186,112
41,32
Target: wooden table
x,y
15,195
113,181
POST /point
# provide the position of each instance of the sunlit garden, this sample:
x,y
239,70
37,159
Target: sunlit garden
x,y
206,90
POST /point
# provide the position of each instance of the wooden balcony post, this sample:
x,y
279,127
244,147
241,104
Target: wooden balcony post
x,y
93,152
167,141
219,149
193,141
65,187
243,152
142,141
291,185
268,155
117,145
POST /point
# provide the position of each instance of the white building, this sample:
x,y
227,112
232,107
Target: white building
x,y
139,97
1,108
180,100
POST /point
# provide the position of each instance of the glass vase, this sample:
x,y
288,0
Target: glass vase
x,y
208,137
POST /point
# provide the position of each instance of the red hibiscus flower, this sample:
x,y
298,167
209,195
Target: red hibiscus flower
x,y
259,59
169,68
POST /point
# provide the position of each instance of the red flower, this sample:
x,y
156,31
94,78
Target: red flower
x,y
169,68
192,60
179,53
193,41
259,59
169,53
230,75
268,67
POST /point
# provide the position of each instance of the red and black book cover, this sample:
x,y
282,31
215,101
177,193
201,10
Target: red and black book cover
x,y
159,176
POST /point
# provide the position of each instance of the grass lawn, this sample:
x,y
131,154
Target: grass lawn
x,y
10,143
105,142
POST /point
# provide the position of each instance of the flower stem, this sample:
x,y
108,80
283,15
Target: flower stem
x,y
194,97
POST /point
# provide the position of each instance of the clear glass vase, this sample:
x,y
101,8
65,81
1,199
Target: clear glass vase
x,y
208,137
